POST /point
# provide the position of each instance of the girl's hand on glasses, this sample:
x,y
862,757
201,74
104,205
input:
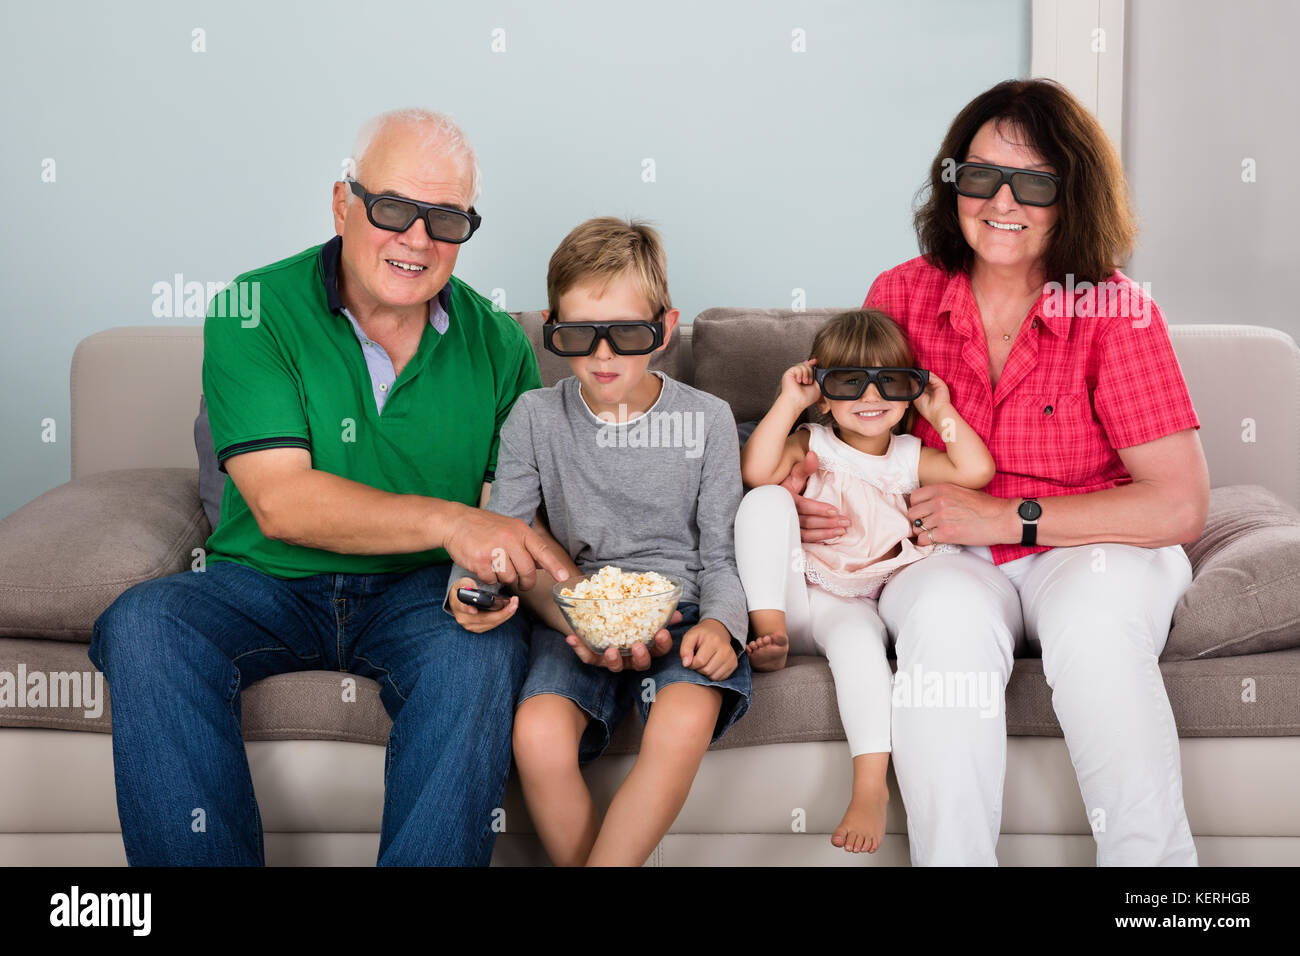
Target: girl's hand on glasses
x,y
934,402
798,385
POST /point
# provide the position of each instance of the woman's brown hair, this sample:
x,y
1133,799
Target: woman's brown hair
x,y
1095,226
863,338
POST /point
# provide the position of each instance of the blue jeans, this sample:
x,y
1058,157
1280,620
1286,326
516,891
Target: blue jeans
x,y
605,697
177,650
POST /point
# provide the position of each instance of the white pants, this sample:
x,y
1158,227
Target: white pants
x,y
1100,616
848,632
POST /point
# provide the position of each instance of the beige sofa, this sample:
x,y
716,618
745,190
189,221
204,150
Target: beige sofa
x,y
773,789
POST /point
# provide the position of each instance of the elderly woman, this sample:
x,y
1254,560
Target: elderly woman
x,y
1065,369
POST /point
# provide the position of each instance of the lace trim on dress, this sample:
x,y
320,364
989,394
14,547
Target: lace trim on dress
x,y
871,582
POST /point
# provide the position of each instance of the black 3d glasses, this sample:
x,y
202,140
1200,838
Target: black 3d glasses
x,y
983,180
636,337
443,223
844,383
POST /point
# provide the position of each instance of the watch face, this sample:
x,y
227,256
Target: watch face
x,y
1030,510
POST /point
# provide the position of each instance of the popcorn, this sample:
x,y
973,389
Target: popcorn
x,y
602,614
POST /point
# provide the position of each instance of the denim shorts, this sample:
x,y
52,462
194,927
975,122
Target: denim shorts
x,y
553,668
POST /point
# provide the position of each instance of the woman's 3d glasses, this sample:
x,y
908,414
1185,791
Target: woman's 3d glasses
x,y
983,180
637,337
443,223
844,384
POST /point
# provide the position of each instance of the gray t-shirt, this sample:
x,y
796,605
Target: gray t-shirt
x,y
657,493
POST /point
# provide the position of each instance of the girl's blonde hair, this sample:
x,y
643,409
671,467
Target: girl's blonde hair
x,y
865,338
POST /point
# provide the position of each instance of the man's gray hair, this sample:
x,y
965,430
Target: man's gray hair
x,y
440,133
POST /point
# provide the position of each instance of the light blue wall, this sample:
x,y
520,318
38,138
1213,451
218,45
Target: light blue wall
x,y
775,170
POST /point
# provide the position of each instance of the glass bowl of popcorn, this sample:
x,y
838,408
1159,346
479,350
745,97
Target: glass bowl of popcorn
x,y
617,608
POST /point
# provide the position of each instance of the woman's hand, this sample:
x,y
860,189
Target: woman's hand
x,y
952,514
798,385
613,661
818,521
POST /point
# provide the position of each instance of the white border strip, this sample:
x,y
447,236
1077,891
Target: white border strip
x,y
1080,43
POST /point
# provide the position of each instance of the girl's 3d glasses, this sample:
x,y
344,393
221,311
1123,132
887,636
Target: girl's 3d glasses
x,y
844,383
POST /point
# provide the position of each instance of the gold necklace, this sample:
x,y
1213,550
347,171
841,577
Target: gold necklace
x,y
1006,336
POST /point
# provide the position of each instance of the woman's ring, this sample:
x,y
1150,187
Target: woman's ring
x,y
918,523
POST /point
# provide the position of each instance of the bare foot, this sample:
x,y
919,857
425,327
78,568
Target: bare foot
x,y
767,653
863,826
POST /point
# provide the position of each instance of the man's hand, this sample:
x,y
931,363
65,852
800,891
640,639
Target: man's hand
x,y
502,550
614,661
957,515
477,620
817,521
707,648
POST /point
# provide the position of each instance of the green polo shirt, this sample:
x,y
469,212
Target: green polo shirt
x,y
293,376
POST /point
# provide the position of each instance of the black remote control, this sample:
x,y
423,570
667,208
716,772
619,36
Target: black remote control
x,y
480,598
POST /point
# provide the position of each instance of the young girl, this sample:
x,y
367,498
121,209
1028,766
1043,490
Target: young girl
x,y
821,598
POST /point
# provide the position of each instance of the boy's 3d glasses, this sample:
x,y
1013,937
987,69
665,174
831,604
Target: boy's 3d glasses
x,y
635,337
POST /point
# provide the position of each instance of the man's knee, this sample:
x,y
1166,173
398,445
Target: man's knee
x,y
484,663
125,633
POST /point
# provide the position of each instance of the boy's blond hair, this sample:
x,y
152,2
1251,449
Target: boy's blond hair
x,y
601,250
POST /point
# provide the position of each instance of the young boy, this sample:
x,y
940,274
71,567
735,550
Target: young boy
x,y
636,470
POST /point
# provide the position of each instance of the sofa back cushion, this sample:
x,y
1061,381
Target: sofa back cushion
x,y
135,389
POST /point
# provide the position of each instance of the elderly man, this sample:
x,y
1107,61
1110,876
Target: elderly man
x,y
356,414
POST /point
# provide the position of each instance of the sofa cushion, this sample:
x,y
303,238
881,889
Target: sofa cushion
x,y
66,555
1245,592
770,341
1249,696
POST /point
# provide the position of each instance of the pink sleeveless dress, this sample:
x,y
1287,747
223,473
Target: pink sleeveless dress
x,y
870,490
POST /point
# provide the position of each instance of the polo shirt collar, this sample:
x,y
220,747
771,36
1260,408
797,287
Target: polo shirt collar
x,y
958,302
332,251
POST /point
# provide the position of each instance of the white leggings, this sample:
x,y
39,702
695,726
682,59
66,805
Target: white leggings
x,y
848,632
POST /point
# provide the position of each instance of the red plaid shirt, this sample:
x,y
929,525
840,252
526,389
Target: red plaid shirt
x,y
1074,388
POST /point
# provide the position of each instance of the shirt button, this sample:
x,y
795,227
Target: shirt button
x,y
1033,324
1047,410
383,387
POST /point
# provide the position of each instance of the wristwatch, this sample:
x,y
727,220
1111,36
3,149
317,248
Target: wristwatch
x,y
1029,512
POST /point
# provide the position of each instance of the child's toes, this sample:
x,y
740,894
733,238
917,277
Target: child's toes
x,y
838,838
